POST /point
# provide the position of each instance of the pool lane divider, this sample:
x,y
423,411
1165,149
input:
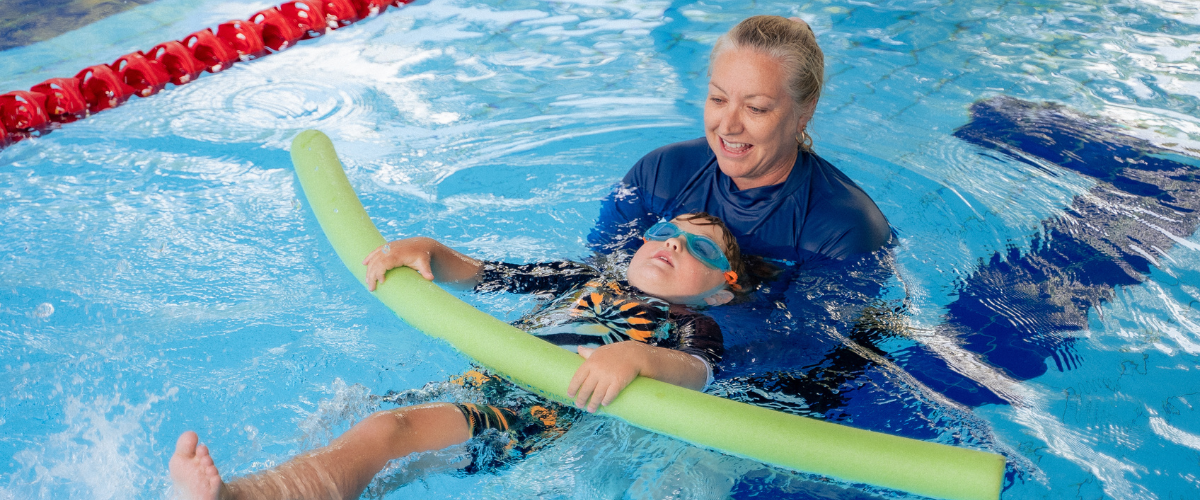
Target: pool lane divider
x,y
57,101
785,440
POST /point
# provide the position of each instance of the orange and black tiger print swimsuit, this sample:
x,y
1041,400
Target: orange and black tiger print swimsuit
x,y
585,311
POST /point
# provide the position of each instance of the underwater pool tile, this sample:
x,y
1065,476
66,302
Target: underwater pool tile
x,y
922,37
861,18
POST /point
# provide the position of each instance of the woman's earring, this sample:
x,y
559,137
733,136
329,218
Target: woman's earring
x,y
804,140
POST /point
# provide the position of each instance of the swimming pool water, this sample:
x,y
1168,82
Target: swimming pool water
x,y
161,273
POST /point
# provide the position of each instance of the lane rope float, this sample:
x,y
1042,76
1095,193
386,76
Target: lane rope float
x,y
790,441
58,101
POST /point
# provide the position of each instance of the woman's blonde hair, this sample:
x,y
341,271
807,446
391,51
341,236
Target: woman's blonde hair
x,y
794,45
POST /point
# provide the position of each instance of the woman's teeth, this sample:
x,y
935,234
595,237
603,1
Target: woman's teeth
x,y
735,146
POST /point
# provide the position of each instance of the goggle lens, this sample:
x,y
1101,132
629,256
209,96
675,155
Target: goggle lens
x,y
702,248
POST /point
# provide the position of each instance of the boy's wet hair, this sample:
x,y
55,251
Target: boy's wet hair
x,y
750,269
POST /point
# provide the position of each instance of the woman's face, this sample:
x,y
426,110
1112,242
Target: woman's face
x,y
750,120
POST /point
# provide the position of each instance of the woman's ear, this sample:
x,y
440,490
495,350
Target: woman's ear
x,y
806,114
722,296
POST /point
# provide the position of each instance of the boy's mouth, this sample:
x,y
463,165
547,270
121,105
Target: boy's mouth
x,y
664,256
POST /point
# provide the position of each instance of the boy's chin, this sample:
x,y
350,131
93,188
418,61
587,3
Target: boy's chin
x,y
650,287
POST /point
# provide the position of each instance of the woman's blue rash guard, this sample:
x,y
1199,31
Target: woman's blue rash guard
x,y
818,213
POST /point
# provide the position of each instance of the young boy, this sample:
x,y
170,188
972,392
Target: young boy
x,y
622,330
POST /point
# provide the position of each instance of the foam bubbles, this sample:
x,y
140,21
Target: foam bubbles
x,y
43,310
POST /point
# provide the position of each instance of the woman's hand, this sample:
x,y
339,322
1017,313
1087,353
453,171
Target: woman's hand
x,y
416,253
606,371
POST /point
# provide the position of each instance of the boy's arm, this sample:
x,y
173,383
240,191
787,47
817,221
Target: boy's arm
x,y
433,260
608,369
542,278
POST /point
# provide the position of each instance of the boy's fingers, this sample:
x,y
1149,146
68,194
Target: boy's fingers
x,y
421,265
610,394
586,352
374,277
372,255
594,403
576,381
600,396
585,392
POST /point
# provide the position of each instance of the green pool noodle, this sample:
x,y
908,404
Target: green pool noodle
x,y
773,437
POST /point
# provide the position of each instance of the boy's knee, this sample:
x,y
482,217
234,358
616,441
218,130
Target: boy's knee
x,y
384,426
414,428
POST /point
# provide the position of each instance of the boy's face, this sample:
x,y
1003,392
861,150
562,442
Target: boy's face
x,y
667,270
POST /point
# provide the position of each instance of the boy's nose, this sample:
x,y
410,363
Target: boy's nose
x,y
675,243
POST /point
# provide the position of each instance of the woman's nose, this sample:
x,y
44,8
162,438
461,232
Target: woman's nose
x,y
731,122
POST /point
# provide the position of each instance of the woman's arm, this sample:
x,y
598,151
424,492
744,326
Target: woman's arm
x,y
630,208
433,260
607,370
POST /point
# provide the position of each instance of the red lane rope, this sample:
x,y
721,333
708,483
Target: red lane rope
x,y
48,105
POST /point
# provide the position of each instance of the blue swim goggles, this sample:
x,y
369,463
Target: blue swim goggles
x,y
702,248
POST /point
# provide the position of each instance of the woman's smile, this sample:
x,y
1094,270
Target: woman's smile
x,y
735,148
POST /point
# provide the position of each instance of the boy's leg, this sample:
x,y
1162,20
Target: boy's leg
x,y
341,470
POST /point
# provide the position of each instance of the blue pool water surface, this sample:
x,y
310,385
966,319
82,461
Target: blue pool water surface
x,y
161,272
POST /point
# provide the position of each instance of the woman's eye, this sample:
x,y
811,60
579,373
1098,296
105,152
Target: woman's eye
x,y
757,110
716,100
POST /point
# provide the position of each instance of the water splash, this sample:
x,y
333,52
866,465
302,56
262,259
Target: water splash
x,y
107,451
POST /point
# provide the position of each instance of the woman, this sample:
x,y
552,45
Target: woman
x,y
754,168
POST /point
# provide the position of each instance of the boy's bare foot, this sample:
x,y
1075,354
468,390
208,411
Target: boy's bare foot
x,y
192,470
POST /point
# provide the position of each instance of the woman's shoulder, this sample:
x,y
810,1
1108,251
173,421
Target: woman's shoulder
x,y
836,201
669,168
694,153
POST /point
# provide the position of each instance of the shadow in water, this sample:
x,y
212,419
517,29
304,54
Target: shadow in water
x,y
1018,310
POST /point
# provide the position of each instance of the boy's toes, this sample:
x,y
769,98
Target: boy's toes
x,y
185,446
192,470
